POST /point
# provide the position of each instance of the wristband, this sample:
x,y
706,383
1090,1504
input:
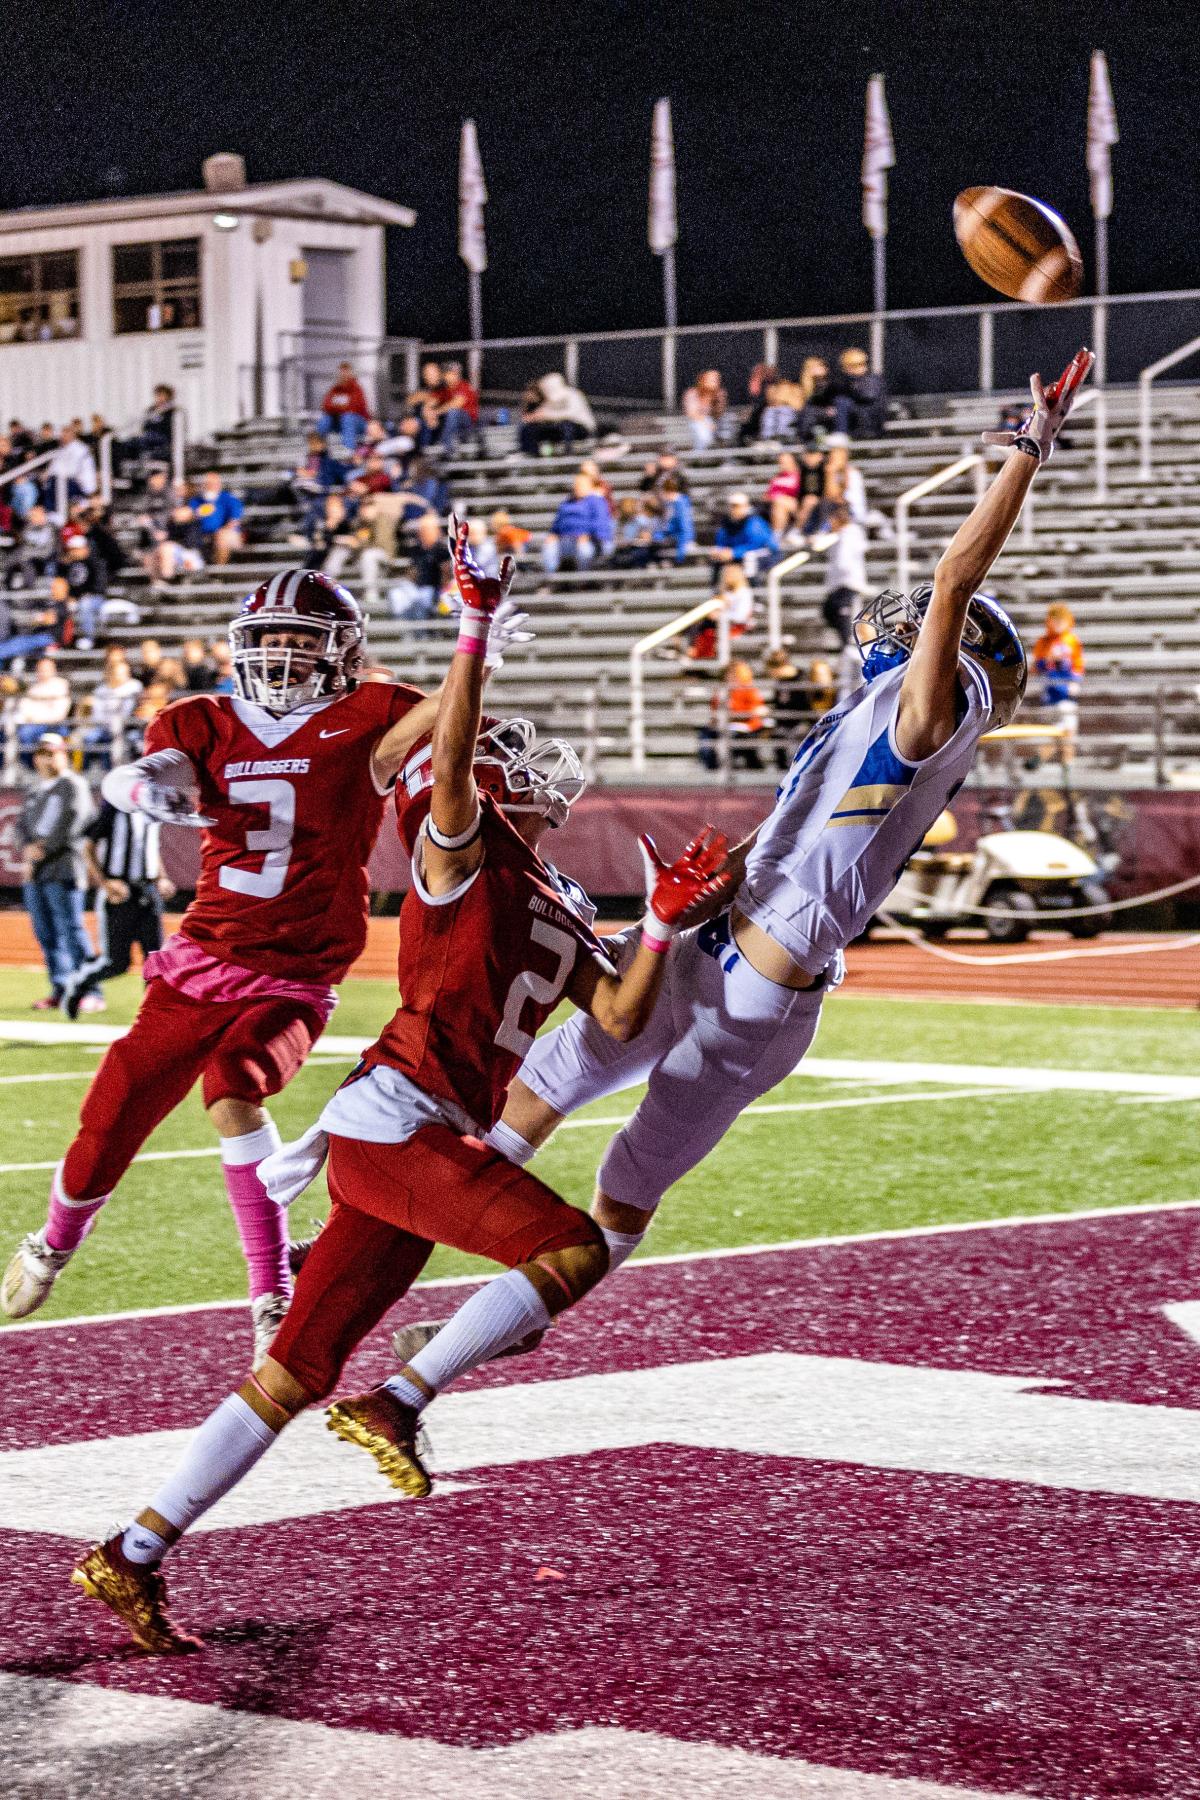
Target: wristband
x,y
1029,447
473,628
655,935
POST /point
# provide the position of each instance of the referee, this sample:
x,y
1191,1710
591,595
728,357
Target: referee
x,y
120,853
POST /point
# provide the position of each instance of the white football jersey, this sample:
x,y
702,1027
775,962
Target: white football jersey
x,y
848,815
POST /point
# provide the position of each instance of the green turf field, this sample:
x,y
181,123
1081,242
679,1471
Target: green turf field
x,y
851,1156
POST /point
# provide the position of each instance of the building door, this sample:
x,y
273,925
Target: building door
x,y
326,318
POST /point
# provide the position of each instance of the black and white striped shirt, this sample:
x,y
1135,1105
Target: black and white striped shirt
x,y
125,845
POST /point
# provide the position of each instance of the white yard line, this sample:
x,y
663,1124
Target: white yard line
x,y
896,1234
798,1106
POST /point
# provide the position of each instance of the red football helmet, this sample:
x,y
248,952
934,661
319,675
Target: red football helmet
x,y
519,772
324,624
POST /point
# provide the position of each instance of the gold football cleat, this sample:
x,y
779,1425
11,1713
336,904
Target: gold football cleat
x,y
137,1593
31,1273
389,1431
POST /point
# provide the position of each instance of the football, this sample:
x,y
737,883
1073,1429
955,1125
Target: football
x,y
1018,245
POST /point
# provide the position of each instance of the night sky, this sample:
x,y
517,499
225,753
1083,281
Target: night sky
x,y
768,111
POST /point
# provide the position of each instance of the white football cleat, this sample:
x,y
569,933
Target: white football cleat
x,y
268,1313
31,1274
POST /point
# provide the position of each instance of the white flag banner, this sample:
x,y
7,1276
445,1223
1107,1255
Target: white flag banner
x,y
663,224
472,198
1101,135
879,155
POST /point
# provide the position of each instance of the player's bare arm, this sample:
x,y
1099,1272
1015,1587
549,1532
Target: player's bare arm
x,y
928,698
451,847
621,1004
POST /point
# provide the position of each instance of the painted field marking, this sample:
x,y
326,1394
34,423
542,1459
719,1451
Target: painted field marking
x,y
798,1106
873,1415
78,1723
896,1234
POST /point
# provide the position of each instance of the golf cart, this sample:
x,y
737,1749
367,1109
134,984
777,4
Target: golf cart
x,y
1019,874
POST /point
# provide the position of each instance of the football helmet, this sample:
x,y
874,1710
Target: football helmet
x,y
281,678
525,776
989,641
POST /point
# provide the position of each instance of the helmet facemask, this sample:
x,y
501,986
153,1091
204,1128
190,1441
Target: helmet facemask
x,y
990,642
281,676
889,625
543,778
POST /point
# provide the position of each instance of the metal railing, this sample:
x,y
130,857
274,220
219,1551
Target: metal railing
x,y
775,596
1147,376
641,650
975,460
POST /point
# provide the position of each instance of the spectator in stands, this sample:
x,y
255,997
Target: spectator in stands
x,y
817,413
788,699
677,528
60,619
738,707
636,529
344,408
1058,660
737,606
843,480
153,699
660,468
170,671
782,410
483,546
859,397
56,811
111,707
158,425
34,558
423,402
600,483
704,406
222,658
374,476
74,464
219,514
582,528
21,439
45,702
423,490
103,541
783,493
762,377
415,596
743,536
334,539
457,409
87,582
198,672
180,552
150,655
22,493
508,538
553,412
318,475
845,545
153,520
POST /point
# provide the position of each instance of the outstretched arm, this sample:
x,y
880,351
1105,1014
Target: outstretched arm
x,y
452,848
928,696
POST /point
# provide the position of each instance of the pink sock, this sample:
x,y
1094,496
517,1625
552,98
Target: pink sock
x,y
261,1223
69,1221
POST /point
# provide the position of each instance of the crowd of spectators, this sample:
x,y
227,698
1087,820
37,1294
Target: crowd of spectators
x,y
851,401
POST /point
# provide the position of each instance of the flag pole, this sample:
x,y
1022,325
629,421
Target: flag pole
x,y
472,243
1101,136
475,304
662,231
879,246
879,156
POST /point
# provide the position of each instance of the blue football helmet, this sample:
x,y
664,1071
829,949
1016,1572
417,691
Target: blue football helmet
x,y
990,641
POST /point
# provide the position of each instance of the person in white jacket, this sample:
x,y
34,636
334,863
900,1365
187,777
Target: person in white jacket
x,y
560,415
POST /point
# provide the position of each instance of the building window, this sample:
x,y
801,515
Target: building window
x,y
39,297
156,287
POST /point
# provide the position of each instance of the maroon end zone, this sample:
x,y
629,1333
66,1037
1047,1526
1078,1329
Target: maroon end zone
x,y
998,1635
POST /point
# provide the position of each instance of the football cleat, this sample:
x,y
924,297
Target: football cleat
x,y
137,1593
267,1313
391,1432
409,1340
300,1248
31,1274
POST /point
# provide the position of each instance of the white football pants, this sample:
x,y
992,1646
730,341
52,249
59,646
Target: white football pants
x,y
721,1036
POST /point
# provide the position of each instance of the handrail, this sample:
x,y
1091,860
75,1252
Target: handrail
x,y
105,472
34,462
178,442
637,692
774,597
1149,374
900,518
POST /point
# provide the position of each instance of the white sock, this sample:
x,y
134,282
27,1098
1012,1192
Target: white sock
x,y
225,1448
509,1143
620,1245
141,1545
252,1147
500,1314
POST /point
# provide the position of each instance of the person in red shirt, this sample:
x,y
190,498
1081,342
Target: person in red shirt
x,y
489,943
457,405
287,779
344,409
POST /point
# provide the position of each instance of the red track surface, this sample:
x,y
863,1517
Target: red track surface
x,y
1160,977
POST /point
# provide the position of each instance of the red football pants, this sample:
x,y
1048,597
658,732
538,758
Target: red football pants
x,y
244,1052
391,1204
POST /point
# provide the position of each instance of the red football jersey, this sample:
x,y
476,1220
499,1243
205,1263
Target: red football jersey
x,y
480,972
283,871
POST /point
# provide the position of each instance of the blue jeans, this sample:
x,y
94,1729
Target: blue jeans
x,y
582,551
56,913
351,427
408,601
456,424
24,644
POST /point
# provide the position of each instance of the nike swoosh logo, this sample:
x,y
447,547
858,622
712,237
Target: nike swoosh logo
x,y
340,732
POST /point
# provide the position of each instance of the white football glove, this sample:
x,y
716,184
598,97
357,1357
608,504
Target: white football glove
x,y
170,805
1037,432
509,627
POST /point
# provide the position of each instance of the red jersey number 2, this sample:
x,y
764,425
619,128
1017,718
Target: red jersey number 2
x,y
279,797
543,990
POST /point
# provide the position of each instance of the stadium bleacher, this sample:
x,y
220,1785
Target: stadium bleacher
x,y
1128,565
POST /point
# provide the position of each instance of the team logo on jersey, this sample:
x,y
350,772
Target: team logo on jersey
x,y
271,765
882,779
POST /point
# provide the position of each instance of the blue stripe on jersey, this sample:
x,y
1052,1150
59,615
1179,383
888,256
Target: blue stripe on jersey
x,y
882,767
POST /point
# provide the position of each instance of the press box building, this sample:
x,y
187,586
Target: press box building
x,y
227,294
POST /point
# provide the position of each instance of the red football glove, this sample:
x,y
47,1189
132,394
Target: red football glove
x,y
672,889
481,594
1050,408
